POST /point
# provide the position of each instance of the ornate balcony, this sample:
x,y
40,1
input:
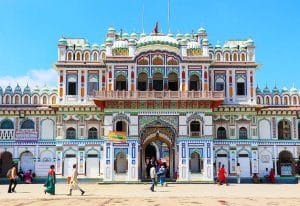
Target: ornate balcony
x,y
159,95
26,135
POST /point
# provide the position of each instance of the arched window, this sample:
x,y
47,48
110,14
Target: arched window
x,y
142,81
71,133
276,100
268,100
121,83
235,57
86,56
95,56
218,57
158,82
93,133
121,126
17,100
26,100
241,86
194,83
221,133
35,100
103,56
172,62
27,124
157,61
286,100
295,101
143,61
258,101
227,57
210,56
7,99
243,133
173,82
195,129
53,100
284,130
78,56
243,57
7,124
70,56
44,100
219,84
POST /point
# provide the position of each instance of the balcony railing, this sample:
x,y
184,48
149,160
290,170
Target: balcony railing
x,y
7,134
26,135
159,95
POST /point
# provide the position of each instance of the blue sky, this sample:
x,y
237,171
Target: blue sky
x,y
30,29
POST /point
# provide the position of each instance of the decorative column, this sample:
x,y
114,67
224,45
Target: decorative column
x,y
59,160
254,159
81,160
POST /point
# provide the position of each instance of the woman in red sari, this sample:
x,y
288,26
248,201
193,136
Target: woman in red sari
x,y
272,175
222,175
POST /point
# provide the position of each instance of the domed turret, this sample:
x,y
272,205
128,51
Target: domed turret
x,y
179,36
54,90
18,90
294,89
170,35
201,30
95,46
125,36
250,42
187,36
258,91
8,90
36,90
275,90
133,35
284,90
45,89
218,46
27,90
266,90
142,35
102,47
62,41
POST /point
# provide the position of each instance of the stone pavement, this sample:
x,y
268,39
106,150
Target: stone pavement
x,y
140,194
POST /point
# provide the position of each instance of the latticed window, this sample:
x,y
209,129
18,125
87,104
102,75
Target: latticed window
x,y
221,133
71,133
93,133
243,133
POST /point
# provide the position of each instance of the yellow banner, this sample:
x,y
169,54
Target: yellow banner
x,y
117,136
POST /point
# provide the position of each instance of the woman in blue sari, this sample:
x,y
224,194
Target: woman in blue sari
x,y
51,180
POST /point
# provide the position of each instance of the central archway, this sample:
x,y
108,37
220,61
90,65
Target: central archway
x,y
157,145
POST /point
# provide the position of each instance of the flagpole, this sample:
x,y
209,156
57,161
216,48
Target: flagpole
x,y
169,29
143,18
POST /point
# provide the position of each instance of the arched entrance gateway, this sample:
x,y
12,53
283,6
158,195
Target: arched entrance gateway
x,y
157,145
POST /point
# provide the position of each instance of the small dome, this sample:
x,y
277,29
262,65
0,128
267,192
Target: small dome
x,y
294,90
258,91
218,46
234,47
86,46
78,47
187,36
109,40
226,47
102,46
36,89
250,42
205,40
95,46
142,35
120,44
201,30
210,46
111,30
45,89
8,90
275,90
266,90
284,90
179,36
133,35
132,41
170,35
125,36
27,90
18,90
63,41
54,90
193,45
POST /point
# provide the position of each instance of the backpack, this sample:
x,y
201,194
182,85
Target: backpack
x,y
9,173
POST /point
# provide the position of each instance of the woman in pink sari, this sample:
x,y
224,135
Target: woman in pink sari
x,y
28,177
272,176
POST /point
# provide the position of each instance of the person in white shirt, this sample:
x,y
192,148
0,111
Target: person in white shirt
x,y
152,175
238,173
74,181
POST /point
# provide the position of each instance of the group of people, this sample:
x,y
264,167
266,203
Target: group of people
x,y
158,170
26,177
222,175
50,183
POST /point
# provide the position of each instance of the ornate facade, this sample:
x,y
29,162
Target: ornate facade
x,y
176,98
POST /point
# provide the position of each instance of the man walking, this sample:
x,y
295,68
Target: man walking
x,y
12,176
152,175
74,181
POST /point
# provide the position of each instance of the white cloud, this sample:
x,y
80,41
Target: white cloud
x,y
35,77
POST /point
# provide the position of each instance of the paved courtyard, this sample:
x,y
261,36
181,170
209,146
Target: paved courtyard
x,y
139,194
